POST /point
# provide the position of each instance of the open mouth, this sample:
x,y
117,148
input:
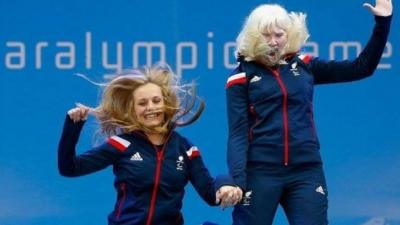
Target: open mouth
x,y
152,115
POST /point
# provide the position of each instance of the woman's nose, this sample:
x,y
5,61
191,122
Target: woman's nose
x,y
151,106
273,41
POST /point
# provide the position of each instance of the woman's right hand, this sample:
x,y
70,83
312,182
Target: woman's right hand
x,y
79,113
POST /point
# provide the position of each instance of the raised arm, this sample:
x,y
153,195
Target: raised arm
x,y
365,64
71,165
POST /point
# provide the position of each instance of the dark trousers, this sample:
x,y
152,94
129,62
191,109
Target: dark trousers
x,y
299,189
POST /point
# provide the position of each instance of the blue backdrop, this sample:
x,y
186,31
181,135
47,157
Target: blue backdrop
x,y
43,43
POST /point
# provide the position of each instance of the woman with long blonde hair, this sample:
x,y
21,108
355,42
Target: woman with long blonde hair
x,y
152,163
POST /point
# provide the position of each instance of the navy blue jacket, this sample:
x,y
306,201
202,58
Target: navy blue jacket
x,y
270,110
149,179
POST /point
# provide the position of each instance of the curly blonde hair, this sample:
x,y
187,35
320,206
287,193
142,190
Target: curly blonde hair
x,y
116,110
264,17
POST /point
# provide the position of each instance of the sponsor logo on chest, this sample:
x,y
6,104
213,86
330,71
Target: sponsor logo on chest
x,y
255,79
136,157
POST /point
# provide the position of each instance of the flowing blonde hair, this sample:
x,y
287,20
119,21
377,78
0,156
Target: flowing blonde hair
x,y
249,41
116,113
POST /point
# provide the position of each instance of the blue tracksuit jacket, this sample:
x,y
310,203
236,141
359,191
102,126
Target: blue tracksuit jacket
x,y
149,179
270,110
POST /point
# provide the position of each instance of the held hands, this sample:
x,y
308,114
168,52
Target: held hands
x,y
79,113
382,7
228,196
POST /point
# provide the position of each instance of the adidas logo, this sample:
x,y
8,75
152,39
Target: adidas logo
x,y
255,79
320,190
136,157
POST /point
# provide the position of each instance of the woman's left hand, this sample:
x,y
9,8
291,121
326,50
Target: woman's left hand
x,y
382,7
228,196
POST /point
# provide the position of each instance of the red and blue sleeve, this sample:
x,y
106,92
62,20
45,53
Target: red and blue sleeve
x,y
238,136
72,165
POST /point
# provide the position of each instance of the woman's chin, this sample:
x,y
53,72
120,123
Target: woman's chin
x,y
154,125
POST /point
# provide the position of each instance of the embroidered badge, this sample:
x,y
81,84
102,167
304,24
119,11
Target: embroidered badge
x,y
179,163
247,198
294,69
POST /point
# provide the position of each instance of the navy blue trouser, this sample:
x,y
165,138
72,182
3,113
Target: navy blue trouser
x,y
300,190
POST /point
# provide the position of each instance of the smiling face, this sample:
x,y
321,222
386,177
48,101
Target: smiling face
x,y
149,105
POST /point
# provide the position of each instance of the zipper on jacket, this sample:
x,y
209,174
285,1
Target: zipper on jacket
x,y
285,115
121,201
160,155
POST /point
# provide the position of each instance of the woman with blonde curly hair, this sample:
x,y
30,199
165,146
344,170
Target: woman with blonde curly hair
x,y
273,149
151,162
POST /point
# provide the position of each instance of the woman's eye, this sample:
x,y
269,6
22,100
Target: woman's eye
x,y
279,35
156,100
